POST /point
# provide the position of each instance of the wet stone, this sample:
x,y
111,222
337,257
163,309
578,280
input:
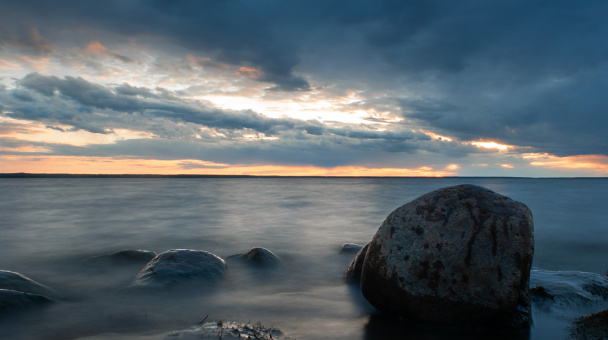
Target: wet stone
x,y
458,256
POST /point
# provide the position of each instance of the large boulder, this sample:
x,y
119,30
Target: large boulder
x,y
258,256
11,300
180,265
17,282
458,256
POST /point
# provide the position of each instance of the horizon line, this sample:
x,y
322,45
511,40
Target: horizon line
x,y
70,175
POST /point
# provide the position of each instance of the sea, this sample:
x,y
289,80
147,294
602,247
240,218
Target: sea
x,y
49,226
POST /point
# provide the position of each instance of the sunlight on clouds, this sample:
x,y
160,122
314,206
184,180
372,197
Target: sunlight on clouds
x,y
9,65
96,47
40,64
36,132
436,136
249,72
25,149
595,163
259,136
117,165
507,166
304,108
492,145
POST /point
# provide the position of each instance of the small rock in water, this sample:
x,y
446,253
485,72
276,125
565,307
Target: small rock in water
x,y
258,256
458,256
350,248
353,272
227,330
180,265
594,326
11,300
123,257
15,281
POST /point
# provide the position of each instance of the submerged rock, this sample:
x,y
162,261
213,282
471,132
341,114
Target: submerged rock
x,y
15,281
227,330
594,326
179,265
458,256
350,248
258,256
562,292
11,300
123,257
353,272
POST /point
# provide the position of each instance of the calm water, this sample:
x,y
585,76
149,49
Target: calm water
x,y
48,226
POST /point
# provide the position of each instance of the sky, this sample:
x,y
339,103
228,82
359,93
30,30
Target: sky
x,y
315,87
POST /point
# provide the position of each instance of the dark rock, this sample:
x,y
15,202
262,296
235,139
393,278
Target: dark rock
x,y
353,272
180,265
594,326
11,300
541,292
123,257
227,330
458,256
258,256
350,248
15,281
564,292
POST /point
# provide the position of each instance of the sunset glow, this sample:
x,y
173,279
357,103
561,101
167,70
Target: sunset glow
x,y
491,145
99,165
336,95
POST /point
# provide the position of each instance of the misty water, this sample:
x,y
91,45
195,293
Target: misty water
x,y
48,226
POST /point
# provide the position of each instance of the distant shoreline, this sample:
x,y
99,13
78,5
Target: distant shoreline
x,y
44,175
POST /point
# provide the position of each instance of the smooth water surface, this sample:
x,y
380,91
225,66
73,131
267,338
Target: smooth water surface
x,y
49,225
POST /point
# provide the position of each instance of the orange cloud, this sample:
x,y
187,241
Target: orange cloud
x,y
595,163
96,47
249,72
7,65
115,165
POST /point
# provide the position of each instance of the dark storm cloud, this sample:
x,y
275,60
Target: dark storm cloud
x,y
528,73
75,101
83,105
87,96
326,151
28,40
237,32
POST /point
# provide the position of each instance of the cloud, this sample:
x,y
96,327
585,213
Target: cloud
x,y
28,40
186,129
528,74
97,47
